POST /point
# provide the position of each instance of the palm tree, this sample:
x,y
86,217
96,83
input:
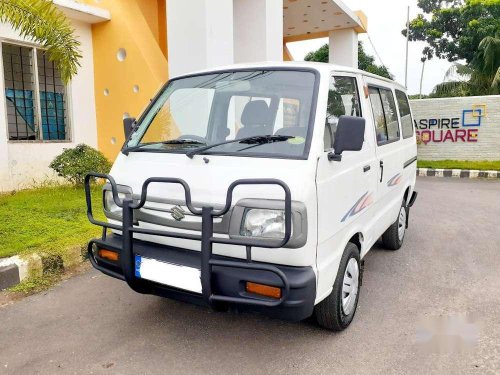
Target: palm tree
x,y
42,22
487,60
480,77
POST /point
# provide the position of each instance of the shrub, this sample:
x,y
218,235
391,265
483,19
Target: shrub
x,y
75,163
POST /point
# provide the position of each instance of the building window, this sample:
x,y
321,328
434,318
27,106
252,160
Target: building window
x,y
35,95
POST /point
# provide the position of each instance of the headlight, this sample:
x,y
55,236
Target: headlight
x,y
263,223
109,203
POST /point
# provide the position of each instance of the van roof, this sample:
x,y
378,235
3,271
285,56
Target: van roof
x,y
323,68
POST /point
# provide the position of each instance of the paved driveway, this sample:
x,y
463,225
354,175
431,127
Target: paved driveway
x,y
432,307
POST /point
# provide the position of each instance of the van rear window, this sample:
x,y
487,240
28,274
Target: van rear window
x,y
404,114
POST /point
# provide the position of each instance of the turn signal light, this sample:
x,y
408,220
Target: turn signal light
x,y
108,254
263,290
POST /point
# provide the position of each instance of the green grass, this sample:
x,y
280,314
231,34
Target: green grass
x,y
36,284
482,165
46,220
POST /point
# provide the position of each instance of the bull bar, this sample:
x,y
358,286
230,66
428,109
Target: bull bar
x,y
207,239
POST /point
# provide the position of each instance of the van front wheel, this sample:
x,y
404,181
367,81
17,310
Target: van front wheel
x,y
394,235
337,310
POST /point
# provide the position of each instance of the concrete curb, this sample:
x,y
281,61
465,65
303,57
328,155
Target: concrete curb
x,y
458,173
15,269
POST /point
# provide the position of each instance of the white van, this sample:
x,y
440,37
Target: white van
x,y
260,187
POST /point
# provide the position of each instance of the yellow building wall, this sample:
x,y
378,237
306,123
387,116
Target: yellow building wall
x,y
125,84
155,13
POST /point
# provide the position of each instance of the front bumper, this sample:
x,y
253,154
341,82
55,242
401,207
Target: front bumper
x,y
225,281
222,280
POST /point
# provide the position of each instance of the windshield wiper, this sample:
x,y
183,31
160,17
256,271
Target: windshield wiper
x,y
140,146
256,139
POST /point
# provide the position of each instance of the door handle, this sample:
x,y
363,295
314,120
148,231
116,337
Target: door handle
x,y
366,168
381,170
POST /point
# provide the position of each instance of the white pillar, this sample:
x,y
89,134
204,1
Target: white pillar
x,y
200,35
258,30
343,47
4,153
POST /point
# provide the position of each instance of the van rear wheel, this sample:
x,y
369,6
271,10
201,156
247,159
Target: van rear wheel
x,y
394,236
337,310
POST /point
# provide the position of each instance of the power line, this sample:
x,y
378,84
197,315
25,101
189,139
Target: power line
x,y
375,50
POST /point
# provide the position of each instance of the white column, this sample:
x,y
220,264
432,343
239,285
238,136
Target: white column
x,y
343,47
200,35
258,30
4,153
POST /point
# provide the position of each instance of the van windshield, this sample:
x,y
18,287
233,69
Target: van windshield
x,y
271,108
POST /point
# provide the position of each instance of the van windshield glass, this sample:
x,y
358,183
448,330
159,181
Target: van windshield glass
x,y
219,110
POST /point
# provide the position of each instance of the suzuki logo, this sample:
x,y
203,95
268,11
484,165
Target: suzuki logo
x,y
177,213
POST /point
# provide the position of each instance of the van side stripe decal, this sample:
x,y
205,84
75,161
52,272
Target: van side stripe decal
x,y
363,202
410,161
395,180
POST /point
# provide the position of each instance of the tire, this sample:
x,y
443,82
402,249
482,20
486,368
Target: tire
x,y
332,313
394,236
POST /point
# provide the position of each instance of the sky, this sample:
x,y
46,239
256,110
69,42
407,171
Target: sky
x,y
386,19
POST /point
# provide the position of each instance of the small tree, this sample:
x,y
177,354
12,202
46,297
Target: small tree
x,y
75,163
42,22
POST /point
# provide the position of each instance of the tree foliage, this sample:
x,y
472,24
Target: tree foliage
x,y
365,61
466,30
320,55
42,22
453,29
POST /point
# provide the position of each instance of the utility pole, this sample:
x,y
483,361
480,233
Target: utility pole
x,y
422,77
407,40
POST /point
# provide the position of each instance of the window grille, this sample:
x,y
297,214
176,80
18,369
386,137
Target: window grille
x,y
19,91
52,98
36,105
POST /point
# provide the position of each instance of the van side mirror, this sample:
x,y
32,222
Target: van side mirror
x,y
128,126
350,136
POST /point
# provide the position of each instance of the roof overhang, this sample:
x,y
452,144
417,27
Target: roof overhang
x,y
82,12
311,19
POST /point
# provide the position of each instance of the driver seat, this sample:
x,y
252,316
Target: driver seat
x,y
255,118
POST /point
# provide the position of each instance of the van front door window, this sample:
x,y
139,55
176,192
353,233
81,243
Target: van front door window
x,y
343,99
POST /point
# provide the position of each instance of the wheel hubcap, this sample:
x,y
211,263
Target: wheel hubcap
x,y
402,223
350,286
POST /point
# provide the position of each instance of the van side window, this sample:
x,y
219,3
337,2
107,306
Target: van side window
x,y
384,114
343,99
404,114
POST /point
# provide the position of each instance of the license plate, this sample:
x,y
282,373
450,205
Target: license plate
x,y
181,277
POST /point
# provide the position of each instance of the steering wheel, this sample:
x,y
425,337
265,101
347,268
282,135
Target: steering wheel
x,y
193,137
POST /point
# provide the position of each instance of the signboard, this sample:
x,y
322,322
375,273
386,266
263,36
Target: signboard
x,y
464,127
